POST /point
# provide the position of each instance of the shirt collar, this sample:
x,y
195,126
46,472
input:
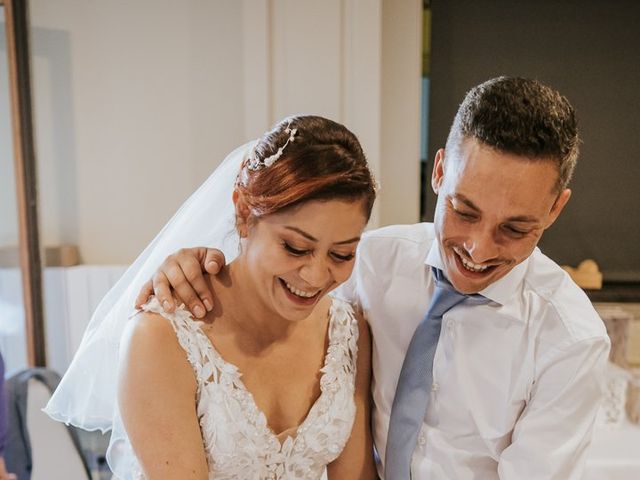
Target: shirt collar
x,y
500,291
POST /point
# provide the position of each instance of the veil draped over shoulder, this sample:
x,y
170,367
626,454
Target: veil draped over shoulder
x,y
86,396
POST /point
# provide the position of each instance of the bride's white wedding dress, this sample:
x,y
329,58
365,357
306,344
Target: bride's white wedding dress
x,y
238,442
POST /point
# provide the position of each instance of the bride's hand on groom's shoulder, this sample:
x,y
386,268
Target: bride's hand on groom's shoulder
x,y
181,278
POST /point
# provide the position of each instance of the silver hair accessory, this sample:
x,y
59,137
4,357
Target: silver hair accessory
x,y
255,164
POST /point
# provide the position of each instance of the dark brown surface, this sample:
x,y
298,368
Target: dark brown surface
x,y
19,63
624,292
588,50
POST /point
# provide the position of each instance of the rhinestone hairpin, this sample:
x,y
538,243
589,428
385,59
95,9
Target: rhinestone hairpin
x,y
256,164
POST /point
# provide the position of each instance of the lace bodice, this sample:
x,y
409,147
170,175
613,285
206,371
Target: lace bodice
x,y
238,442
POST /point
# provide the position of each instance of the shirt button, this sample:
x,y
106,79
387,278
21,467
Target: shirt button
x,y
422,441
435,387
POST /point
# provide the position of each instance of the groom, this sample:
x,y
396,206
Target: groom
x,y
504,382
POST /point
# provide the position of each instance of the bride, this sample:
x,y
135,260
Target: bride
x,y
274,382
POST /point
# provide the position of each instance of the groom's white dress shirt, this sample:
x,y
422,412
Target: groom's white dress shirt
x,y
516,382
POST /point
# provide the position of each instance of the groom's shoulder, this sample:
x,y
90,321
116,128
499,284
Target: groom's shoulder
x,y
414,233
398,242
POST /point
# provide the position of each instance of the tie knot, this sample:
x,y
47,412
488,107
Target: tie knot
x,y
445,296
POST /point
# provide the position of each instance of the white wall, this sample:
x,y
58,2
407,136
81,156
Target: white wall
x,y
137,101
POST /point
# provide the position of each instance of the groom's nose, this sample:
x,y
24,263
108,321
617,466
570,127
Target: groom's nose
x,y
481,245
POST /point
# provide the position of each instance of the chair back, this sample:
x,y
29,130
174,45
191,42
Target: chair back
x,y
40,448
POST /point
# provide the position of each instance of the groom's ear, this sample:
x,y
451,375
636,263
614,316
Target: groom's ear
x,y
243,213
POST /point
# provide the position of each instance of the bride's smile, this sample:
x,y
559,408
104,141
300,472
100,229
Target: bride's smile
x,y
291,259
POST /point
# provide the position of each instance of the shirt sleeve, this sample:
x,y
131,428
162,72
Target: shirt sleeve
x,y
348,291
551,437
3,409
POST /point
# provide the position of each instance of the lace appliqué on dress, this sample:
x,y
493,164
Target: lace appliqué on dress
x,y
238,442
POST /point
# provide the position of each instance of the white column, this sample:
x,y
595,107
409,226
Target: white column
x,y
400,100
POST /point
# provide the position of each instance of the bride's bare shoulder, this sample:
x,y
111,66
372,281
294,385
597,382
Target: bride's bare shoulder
x,y
149,334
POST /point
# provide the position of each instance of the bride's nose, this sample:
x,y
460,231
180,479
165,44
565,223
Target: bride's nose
x,y
315,272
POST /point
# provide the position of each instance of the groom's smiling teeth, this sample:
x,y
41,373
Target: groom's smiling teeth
x,y
300,293
469,265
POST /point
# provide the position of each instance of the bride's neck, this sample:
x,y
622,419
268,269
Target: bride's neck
x,y
239,302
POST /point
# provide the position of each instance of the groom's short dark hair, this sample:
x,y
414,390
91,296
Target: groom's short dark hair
x,y
523,117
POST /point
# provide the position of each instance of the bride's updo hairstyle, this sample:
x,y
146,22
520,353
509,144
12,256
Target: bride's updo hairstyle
x,y
319,160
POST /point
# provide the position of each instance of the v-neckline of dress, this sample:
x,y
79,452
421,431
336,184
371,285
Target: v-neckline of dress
x,y
261,422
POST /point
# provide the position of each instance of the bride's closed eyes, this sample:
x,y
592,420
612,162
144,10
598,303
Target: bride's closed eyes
x,y
301,252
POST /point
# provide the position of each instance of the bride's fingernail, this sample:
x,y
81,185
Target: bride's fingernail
x,y
197,310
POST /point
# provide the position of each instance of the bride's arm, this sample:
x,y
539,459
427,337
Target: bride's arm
x,y
156,396
356,460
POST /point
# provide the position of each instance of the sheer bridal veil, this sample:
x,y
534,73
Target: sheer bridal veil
x,y
86,396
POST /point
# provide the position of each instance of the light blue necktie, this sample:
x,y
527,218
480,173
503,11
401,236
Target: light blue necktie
x,y
412,393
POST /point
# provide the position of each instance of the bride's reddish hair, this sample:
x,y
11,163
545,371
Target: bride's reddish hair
x,y
324,162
